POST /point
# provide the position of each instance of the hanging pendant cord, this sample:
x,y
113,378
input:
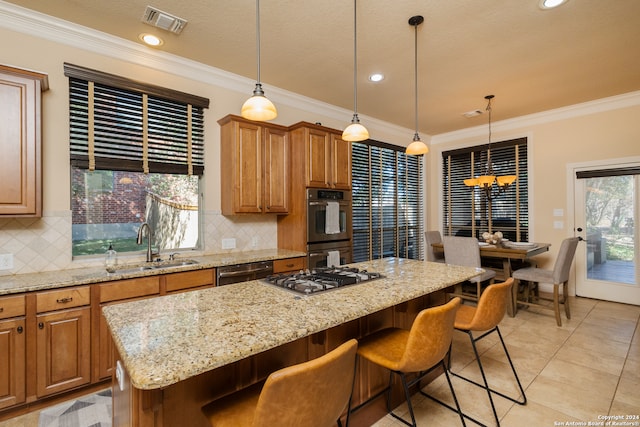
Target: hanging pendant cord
x,y
355,58
258,35
415,44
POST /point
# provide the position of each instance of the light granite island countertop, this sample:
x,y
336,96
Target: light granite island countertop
x,y
165,340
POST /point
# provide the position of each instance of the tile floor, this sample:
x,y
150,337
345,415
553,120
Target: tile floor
x,y
574,374
580,372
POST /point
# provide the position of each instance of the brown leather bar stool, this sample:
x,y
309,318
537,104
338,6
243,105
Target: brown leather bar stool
x,y
490,310
310,394
419,350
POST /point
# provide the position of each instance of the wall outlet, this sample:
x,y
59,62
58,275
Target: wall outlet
x,y
6,261
228,243
254,241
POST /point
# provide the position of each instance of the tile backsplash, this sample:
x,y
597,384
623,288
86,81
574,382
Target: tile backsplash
x,y
44,244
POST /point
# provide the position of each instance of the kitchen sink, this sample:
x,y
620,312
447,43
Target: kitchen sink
x,y
154,266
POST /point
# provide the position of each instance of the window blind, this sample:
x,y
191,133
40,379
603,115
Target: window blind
x,y
465,209
118,128
387,193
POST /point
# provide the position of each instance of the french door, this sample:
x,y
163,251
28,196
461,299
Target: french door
x,y
607,218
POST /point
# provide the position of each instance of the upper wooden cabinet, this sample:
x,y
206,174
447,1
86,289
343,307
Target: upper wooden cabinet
x,y
327,158
20,141
254,165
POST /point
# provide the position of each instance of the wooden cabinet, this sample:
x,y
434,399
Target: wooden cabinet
x,y
113,293
326,157
188,281
289,264
63,345
12,351
254,165
20,142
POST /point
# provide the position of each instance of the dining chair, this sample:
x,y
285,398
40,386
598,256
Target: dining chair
x,y
465,251
309,394
430,238
484,319
559,276
418,350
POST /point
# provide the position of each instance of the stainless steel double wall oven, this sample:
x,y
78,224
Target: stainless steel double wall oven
x,y
328,227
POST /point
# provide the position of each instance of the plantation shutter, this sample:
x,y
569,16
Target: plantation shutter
x,y
465,209
387,193
120,124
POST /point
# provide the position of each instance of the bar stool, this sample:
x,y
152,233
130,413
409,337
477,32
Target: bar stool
x,y
420,350
310,394
490,310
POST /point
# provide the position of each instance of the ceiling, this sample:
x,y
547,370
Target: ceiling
x,y
531,59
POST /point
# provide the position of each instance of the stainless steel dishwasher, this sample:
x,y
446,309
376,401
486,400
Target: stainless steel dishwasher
x,y
229,274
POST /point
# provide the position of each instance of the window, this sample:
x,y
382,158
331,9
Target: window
x,y
387,202
466,209
137,155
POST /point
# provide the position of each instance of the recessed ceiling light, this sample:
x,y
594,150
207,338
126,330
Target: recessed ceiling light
x,y
150,39
376,77
550,4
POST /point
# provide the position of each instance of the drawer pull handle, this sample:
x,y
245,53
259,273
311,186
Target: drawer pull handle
x,y
290,265
1,309
19,329
64,300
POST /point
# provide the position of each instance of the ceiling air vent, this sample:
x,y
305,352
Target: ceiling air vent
x,y
164,20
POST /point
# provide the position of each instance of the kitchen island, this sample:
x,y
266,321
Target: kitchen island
x,y
177,352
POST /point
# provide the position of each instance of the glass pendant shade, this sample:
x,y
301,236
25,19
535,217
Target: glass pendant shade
x,y
506,180
471,182
258,107
486,180
417,147
355,131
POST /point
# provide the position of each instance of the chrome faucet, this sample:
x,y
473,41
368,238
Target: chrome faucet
x,y
149,238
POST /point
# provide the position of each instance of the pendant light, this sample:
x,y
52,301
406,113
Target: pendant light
x,y
417,147
486,181
258,107
355,131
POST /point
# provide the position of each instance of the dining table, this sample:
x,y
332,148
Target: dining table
x,y
507,253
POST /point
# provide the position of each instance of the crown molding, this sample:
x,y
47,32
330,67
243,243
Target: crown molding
x,y
626,100
32,23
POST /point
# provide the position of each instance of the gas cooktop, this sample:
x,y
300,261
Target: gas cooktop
x,y
321,279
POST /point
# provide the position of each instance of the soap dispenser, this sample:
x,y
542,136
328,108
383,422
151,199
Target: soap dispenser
x,y
111,259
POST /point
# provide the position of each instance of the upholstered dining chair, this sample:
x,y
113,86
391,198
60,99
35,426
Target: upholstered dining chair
x,y
559,276
309,394
465,251
431,237
420,349
484,319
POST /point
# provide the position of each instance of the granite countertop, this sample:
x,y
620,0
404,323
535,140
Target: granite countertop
x,y
12,284
171,338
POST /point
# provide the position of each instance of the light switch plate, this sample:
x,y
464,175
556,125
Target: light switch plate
x,y
6,261
558,212
228,243
558,225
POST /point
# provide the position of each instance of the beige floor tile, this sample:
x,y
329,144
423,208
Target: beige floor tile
x,y
582,341
604,362
582,404
534,414
600,384
628,390
622,408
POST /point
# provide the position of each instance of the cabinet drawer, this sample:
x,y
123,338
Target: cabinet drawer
x,y
63,298
290,264
133,288
189,279
12,306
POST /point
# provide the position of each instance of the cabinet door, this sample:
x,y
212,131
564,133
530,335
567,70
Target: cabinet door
x,y
12,362
276,171
248,178
20,142
341,163
318,159
63,350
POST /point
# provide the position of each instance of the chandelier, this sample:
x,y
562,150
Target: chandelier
x,y
486,182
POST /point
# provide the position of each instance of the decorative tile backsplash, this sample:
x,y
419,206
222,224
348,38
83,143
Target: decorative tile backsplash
x,y
44,244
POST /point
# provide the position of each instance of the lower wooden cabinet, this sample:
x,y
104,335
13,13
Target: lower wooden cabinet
x,y
63,350
12,362
289,265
